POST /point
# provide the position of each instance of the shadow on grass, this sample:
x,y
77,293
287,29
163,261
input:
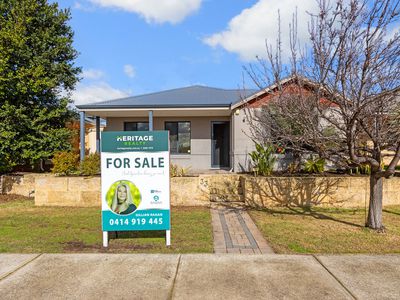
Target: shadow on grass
x,y
136,234
391,212
306,211
80,246
299,211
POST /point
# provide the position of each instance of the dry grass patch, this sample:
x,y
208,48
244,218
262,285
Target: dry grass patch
x,y
326,230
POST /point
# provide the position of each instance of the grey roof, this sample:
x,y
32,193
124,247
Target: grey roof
x,y
193,96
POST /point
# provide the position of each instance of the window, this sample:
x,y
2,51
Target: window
x,y
179,137
136,126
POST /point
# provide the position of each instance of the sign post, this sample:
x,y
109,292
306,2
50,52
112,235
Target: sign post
x,y
135,187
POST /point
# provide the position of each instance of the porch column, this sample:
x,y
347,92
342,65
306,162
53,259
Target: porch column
x,y
150,120
82,135
97,134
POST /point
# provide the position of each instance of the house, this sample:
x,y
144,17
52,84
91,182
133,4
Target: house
x,y
90,137
208,126
90,134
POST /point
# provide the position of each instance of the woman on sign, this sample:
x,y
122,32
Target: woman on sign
x,y
122,203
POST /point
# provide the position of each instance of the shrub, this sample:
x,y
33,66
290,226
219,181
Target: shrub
x,y
65,163
364,169
90,165
397,168
6,164
263,159
176,171
314,165
293,168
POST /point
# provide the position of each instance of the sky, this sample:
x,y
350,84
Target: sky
x,y
133,47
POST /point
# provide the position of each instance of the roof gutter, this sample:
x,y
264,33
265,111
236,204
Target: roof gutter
x,y
156,107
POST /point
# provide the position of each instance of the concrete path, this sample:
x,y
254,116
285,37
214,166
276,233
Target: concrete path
x,y
207,276
235,232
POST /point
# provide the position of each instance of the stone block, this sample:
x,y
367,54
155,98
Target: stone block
x,y
51,183
63,198
186,191
41,197
392,184
359,183
391,198
84,183
90,198
343,183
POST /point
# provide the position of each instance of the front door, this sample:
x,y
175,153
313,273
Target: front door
x,y
220,144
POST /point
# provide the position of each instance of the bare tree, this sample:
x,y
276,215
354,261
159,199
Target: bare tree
x,y
342,98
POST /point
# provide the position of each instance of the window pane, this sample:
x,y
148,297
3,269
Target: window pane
x,y
179,136
173,135
143,126
136,126
184,137
130,126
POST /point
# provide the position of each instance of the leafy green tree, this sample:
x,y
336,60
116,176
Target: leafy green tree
x,y
37,72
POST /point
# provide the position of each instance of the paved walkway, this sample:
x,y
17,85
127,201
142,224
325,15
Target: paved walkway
x,y
207,276
235,232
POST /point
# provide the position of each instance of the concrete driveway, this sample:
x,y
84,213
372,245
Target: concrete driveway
x,y
198,276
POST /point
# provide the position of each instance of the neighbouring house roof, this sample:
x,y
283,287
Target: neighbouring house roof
x,y
272,88
188,97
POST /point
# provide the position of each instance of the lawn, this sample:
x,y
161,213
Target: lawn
x,y
324,230
25,228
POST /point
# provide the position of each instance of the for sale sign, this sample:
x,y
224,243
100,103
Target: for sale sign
x,y
135,188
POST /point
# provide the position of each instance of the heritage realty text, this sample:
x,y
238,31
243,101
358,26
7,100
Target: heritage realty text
x,y
138,162
135,138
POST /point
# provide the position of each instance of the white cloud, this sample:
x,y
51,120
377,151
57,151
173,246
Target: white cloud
x,y
129,70
95,92
83,6
92,74
247,32
158,11
77,5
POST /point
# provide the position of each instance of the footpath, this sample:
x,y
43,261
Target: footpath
x,y
199,276
235,232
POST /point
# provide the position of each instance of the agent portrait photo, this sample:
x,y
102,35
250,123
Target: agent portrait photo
x,y
122,202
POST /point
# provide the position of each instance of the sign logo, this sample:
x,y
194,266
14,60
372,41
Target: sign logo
x,y
134,138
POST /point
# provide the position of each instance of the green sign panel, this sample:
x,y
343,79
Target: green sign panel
x,y
135,180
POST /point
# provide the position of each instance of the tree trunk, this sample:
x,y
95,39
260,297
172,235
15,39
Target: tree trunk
x,y
375,203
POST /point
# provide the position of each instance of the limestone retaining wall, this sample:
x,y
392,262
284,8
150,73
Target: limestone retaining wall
x,y
20,184
311,191
199,191
67,191
86,191
188,191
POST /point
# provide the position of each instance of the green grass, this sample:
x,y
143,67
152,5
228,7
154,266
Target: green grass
x,y
25,228
324,230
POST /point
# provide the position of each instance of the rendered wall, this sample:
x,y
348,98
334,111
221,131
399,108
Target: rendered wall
x,y
200,157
